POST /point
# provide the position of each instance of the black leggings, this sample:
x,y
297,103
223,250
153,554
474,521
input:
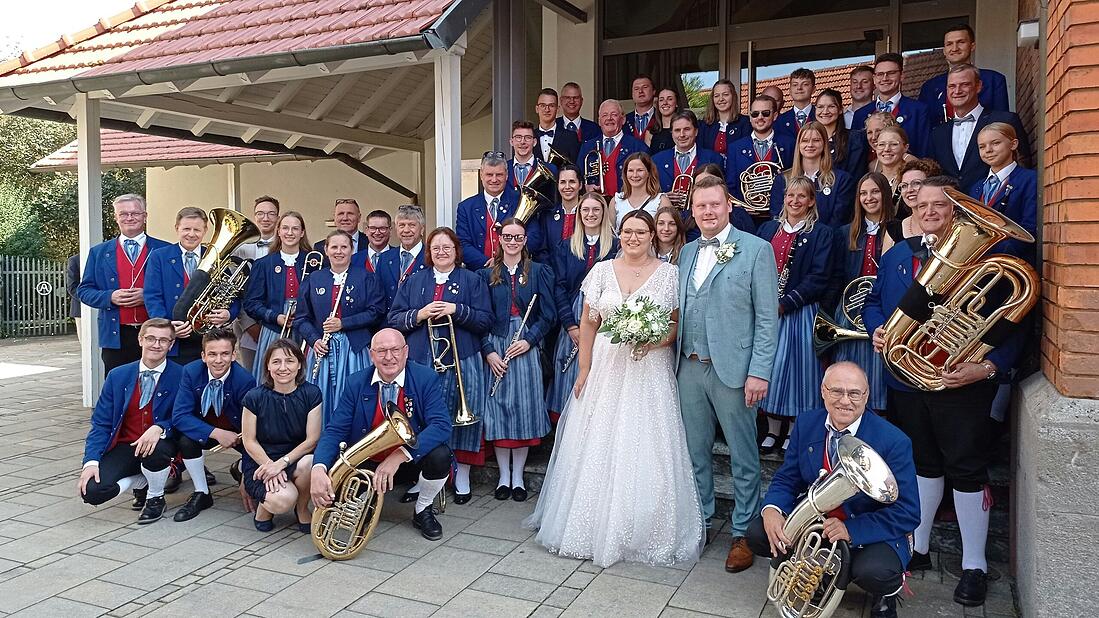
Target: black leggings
x,y
121,462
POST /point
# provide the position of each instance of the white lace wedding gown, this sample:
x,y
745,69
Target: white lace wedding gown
x,y
620,484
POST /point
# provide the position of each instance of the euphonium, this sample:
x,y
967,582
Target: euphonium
x,y
342,529
531,199
809,582
447,343
951,313
827,333
219,278
594,168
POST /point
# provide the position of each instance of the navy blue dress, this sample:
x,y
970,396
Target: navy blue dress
x,y
280,427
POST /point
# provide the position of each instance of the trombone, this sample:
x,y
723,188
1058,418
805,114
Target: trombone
x,y
312,260
514,340
440,345
594,168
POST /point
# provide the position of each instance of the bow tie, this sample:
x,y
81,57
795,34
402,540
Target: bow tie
x,y
965,119
262,243
885,106
539,133
713,242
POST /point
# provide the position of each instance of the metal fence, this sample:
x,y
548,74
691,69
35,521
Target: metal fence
x,y
33,301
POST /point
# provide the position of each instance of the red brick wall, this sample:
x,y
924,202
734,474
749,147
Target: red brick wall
x,y
1070,193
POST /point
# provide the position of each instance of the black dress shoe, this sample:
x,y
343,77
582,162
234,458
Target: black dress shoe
x,y
139,499
462,498
883,607
197,503
503,492
972,588
234,471
154,509
920,562
172,484
767,450
519,494
428,526
410,496
210,478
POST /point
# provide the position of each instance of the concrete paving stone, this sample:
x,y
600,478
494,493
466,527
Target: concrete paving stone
x,y
258,579
448,569
285,558
169,564
484,544
504,522
157,594
853,605
675,612
213,566
81,547
187,580
49,470
578,580
166,532
517,587
101,593
215,576
61,607
532,561
44,560
608,594
7,565
709,589
380,561
214,599
388,606
13,573
40,584
323,593
562,597
589,567
118,550
545,611
405,540
34,499
656,574
477,603
13,528
52,539
119,511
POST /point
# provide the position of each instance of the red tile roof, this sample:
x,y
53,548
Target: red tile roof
x,y
169,33
132,150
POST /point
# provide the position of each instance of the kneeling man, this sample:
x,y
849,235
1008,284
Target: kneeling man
x,y
411,387
878,533
207,411
128,445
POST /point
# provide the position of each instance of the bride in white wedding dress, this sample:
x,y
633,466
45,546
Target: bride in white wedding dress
x,y
620,484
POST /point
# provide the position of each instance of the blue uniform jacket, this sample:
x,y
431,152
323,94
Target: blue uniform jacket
x,y
811,267
630,127
893,280
742,155
541,318
707,132
470,224
100,280
836,207
472,317
855,160
361,308
913,116
973,169
353,417
787,122
1019,202
569,272
626,147
115,397
512,190
868,521
389,271
993,95
188,419
164,285
552,223
266,288
665,164
587,129
847,264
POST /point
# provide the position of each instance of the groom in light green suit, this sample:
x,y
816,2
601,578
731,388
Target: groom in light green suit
x,y
728,328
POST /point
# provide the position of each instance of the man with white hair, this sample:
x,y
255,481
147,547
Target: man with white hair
x,y
614,146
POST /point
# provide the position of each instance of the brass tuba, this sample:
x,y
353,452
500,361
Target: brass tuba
x,y
827,333
532,194
951,314
809,582
440,346
342,529
219,278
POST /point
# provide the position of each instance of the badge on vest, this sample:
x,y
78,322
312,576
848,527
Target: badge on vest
x,y
826,190
900,119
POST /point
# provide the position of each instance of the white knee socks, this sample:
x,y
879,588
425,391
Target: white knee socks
x,y
518,462
503,459
931,494
156,481
973,523
197,471
130,481
429,488
461,479
415,489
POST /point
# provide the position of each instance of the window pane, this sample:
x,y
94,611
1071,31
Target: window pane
x,y
636,17
921,35
743,11
690,71
831,63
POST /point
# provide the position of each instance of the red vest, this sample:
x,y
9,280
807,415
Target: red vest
x,y
131,276
781,243
379,418
135,421
869,262
292,283
610,178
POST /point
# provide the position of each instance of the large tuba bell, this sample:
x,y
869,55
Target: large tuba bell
x,y
755,186
342,529
219,278
440,346
827,333
952,312
809,582
558,159
532,193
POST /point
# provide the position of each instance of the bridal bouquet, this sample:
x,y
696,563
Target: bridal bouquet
x,y
638,321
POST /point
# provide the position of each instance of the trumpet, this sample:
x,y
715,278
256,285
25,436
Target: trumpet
x,y
681,189
514,340
440,346
312,260
327,336
594,168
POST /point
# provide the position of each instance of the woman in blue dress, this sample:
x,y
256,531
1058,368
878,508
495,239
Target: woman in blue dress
x,y
339,308
515,415
803,253
592,241
671,234
444,290
274,282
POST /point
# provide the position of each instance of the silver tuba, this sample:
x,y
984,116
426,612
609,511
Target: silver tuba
x,y
811,580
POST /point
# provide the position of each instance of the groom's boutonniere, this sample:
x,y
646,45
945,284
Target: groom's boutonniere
x,y
726,252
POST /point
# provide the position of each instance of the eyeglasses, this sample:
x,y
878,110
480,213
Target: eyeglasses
x,y
378,228
545,105
442,250
513,237
265,215
150,340
523,138
912,184
856,396
631,233
766,113
131,215
887,73
571,98
387,352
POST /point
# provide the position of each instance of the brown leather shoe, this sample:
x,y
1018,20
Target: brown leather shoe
x,y
740,557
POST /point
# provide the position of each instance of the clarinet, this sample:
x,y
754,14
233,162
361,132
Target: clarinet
x,y
514,340
571,357
328,336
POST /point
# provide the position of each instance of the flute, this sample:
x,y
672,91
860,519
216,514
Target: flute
x,y
514,340
571,357
327,336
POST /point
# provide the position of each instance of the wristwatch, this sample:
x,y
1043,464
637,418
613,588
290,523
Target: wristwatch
x,y
991,369
286,458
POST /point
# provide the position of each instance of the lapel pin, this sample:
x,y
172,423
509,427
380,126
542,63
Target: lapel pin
x,y
557,216
320,291
278,269
827,191
900,118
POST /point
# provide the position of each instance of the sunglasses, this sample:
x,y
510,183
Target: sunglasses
x,y
766,113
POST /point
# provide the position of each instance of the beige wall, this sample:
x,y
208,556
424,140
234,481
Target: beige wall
x,y
568,53
996,26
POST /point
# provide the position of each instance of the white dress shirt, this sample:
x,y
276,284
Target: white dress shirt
x,y
1003,173
962,133
545,142
707,258
851,429
441,277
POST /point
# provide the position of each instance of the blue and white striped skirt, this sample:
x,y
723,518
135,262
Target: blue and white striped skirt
x,y
518,411
340,362
797,372
266,338
466,438
561,388
861,352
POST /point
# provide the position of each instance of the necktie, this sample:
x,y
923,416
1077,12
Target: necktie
x,y
148,385
539,133
494,206
189,263
521,171
801,116
131,249
761,147
211,397
389,392
834,445
965,119
374,261
608,146
683,160
885,106
991,184
406,259
571,127
713,242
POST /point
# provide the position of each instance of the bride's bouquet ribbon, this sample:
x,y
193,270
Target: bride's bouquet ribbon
x,y
638,322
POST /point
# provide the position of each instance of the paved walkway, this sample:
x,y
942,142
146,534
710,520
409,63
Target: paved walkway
x,y
59,557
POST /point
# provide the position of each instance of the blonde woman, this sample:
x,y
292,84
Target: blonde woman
x,y
892,150
835,190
